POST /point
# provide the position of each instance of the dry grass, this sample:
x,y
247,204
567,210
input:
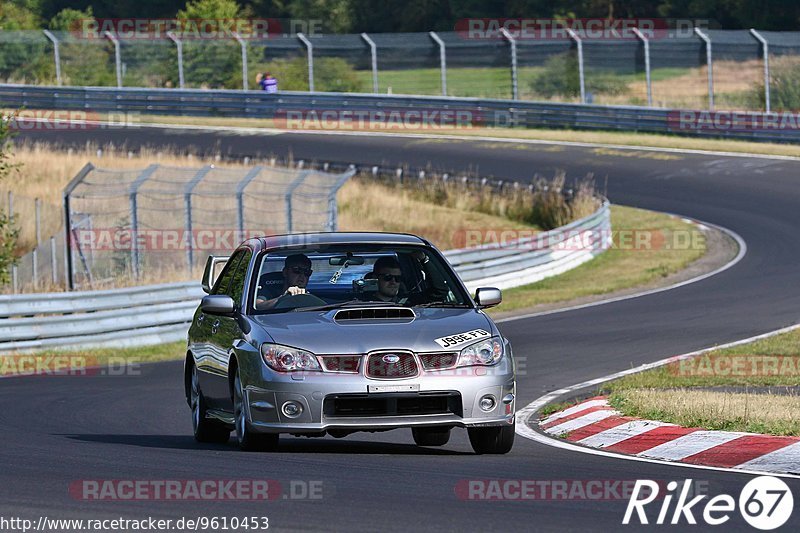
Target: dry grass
x,y
757,413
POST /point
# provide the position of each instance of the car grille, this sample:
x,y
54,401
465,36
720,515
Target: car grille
x,y
341,363
438,361
381,366
393,404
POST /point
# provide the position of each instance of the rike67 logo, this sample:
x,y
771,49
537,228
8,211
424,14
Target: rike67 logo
x,y
765,503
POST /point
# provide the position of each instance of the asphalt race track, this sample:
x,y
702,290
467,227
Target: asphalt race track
x,y
58,431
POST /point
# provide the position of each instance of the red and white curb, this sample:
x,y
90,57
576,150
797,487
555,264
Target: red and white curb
x,y
594,423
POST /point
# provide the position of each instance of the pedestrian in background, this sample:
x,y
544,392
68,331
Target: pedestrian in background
x,y
268,83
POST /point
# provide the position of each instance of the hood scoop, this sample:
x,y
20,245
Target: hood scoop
x,y
400,314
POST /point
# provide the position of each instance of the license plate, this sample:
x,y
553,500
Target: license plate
x,y
392,388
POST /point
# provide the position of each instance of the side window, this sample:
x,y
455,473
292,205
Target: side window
x,y
225,278
237,280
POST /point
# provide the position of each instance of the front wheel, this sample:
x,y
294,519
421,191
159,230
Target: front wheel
x,y
493,440
249,441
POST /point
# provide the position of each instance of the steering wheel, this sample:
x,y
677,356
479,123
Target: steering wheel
x,y
298,300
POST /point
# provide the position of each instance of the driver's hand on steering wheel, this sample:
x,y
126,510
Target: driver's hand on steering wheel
x,y
294,291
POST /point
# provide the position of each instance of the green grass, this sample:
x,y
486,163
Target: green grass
x,y
618,268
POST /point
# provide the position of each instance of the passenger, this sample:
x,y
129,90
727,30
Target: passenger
x,y
295,274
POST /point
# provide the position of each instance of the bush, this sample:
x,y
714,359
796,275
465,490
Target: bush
x,y
8,233
331,74
560,77
784,87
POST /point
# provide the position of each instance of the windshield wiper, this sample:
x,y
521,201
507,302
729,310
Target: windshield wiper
x,y
349,303
443,304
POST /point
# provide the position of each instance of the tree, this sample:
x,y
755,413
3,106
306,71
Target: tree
x,y
8,231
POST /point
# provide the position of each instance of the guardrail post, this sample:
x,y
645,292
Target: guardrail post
x,y
442,60
288,197
646,43
187,198
56,54
117,56
243,44
240,187
374,54
710,65
133,191
14,279
579,42
179,46
765,48
310,49
513,43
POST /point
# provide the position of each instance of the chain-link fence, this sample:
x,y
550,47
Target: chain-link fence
x,y
161,223
664,70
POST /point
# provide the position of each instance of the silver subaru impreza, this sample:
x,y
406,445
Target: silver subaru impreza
x,y
334,333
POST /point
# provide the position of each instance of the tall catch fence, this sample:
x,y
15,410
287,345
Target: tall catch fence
x,y
690,69
162,222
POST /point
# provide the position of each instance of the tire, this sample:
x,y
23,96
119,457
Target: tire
x,y
492,440
248,440
435,436
205,429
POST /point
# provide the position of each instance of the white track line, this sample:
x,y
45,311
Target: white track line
x,y
739,256
525,416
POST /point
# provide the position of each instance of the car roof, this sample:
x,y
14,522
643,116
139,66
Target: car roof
x,y
310,239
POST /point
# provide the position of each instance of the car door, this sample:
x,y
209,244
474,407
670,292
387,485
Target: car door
x,y
225,331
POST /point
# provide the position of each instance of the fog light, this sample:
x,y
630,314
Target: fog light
x,y
292,409
487,403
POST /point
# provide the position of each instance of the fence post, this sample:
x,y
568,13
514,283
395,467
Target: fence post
x,y
765,47
240,187
187,198
133,191
581,77
710,65
53,262
243,44
288,197
10,204
14,279
179,45
442,60
646,43
310,48
37,221
333,221
56,54
117,56
374,53
513,43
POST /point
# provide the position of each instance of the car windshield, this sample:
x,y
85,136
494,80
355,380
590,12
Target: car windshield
x,y
313,279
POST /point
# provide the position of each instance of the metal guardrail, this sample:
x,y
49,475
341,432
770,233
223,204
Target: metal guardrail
x,y
476,111
162,313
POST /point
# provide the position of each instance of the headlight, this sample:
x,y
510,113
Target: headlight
x,y
486,352
287,359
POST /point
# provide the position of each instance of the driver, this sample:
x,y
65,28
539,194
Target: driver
x,y
296,271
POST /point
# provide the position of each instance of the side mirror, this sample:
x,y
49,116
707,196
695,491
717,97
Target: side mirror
x,y
214,266
218,304
488,297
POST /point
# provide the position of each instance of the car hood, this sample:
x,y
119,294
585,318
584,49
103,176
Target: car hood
x,y
318,332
